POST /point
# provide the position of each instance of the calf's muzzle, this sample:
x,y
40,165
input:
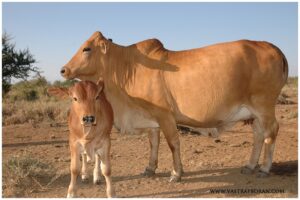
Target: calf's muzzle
x,y
88,120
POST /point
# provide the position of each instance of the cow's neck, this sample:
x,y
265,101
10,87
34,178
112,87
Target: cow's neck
x,y
120,65
131,71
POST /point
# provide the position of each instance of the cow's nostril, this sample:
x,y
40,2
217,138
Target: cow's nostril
x,y
62,71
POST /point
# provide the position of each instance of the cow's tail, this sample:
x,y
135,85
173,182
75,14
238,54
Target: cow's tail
x,y
285,67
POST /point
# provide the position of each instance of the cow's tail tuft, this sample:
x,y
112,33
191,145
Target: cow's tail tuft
x,y
285,68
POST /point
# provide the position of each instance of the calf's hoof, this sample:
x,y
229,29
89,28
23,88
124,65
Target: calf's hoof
x,y
247,170
148,172
262,174
174,179
97,181
84,179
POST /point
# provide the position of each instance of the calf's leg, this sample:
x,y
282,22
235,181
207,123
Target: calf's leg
x,y
84,172
106,169
75,170
97,171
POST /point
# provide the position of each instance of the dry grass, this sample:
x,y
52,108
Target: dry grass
x,y
34,112
293,115
291,87
28,102
25,176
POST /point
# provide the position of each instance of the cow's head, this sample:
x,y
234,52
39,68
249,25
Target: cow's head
x,y
86,64
85,97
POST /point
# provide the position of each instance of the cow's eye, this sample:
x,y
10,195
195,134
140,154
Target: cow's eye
x,y
97,97
87,49
75,99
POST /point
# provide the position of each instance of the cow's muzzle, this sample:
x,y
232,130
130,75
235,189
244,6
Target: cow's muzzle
x,y
65,72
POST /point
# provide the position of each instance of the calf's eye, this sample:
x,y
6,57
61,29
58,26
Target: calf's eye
x,y
75,99
97,97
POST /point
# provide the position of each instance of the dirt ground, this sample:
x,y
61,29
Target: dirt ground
x,y
208,164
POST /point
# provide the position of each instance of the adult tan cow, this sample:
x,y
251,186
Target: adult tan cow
x,y
210,87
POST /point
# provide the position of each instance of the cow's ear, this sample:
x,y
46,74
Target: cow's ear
x,y
58,92
103,46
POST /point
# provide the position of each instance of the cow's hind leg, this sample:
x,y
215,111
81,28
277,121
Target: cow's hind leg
x,y
256,150
168,126
270,134
265,128
154,139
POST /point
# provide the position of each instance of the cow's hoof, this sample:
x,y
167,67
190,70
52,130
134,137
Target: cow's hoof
x,y
112,196
247,170
174,179
97,181
148,172
71,195
262,174
84,179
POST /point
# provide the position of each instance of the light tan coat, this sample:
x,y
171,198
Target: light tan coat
x,y
90,123
211,87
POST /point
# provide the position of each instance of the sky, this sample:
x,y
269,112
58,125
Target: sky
x,y
54,31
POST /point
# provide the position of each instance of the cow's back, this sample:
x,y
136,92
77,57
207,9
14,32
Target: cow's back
x,y
213,80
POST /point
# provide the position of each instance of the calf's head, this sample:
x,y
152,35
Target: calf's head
x,y
85,97
89,60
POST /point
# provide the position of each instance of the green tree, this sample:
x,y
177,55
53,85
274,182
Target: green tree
x,y
15,64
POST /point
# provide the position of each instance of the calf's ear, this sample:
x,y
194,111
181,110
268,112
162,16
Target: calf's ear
x,y
58,92
100,84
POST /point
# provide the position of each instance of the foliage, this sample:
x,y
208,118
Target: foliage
x,y
15,64
28,90
66,83
28,101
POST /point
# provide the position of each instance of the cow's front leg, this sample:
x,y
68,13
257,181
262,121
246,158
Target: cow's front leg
x,y
84,172
97,171
75,170
106,169
154,139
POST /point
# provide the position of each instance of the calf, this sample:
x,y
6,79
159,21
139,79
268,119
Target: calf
x,y
90,123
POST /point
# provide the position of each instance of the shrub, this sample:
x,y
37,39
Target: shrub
x,y
25,174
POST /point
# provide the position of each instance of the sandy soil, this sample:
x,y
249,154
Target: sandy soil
x,y
208,163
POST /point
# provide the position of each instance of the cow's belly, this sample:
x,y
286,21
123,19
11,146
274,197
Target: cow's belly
x,y
132,121
237,114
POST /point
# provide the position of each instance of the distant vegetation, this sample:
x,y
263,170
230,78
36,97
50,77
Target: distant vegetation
x,y
292,81
28,102
15,63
